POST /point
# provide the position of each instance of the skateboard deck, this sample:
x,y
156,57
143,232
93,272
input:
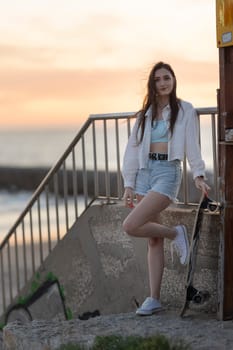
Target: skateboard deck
x,y
191,293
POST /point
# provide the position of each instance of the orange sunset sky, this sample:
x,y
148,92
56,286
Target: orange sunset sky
x,y
61,60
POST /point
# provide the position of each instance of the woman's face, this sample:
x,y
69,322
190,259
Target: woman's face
x,y
164,82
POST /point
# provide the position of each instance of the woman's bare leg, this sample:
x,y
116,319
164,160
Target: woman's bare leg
x,y
143,221
155,260
140,223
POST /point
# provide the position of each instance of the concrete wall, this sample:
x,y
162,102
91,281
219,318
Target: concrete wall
x,y
26,178
21,178
102,268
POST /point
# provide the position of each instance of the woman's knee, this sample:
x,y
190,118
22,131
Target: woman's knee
x,y
129,227
155,242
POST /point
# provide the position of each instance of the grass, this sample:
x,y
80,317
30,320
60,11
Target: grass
x,y
158,342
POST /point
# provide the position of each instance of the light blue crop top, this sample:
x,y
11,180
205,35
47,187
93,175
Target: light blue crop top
x,y
159,131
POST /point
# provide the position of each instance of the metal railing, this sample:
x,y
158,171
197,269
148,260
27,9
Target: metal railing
x,y
89,169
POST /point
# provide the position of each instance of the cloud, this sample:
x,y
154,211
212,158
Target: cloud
x,y
63,97
67,96
108,35
65,83
59,63
69,83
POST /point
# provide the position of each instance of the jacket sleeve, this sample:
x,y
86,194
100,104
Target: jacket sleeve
x,y
193,151
130,160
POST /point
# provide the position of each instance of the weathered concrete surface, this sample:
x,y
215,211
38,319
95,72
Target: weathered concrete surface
x,y
101,267
200,331
105,269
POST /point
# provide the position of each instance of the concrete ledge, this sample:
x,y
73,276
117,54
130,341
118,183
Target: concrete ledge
x,y
102,268
202,333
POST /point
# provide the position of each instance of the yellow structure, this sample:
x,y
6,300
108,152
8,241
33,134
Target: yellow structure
x,y
224,19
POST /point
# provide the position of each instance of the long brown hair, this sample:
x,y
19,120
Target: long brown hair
x,y
151,100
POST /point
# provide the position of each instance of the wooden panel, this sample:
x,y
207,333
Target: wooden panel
x,y
226,181
228,264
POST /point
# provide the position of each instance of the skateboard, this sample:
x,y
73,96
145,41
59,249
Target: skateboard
x,y
191,293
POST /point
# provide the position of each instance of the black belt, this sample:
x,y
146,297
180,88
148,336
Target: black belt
x,y
158,156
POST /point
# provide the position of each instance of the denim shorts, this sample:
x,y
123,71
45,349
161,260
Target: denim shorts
x,y
160,176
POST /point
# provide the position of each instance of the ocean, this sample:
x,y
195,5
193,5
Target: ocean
x,y
28,148
43,147
34,147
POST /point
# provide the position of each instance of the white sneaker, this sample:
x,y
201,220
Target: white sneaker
x,y
149,307
181,244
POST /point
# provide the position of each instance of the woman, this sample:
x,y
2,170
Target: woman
x,y
166,129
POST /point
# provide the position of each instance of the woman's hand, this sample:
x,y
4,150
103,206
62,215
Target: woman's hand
x,y
128,197
201,185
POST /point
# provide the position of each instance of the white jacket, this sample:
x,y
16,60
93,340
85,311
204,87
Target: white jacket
x,y
184,141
